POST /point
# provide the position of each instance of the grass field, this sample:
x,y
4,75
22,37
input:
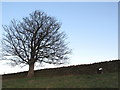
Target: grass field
x,y
105,80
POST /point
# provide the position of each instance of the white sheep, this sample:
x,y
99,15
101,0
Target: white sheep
x,y
99,70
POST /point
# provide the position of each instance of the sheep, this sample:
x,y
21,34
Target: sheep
x,y
99,70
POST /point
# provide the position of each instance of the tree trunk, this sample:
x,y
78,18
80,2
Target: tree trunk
x,y
31,71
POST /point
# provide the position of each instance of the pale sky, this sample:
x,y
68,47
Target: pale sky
x,y
91,28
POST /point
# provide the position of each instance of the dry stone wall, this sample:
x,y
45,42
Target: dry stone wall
x,y
107,67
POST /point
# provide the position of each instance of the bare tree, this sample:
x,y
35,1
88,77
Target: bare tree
x,y
36,38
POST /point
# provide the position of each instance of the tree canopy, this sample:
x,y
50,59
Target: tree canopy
x,y
36,38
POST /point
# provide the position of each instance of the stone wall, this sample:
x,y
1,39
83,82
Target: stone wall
x,y
107,67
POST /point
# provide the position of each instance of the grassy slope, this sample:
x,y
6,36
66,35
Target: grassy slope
x,y
106,80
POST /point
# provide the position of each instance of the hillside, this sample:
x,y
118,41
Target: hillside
x,y
105,80
79,76
107,66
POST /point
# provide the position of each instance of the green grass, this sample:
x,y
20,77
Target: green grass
x,y
107,80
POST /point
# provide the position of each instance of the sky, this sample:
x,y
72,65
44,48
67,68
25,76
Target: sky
x,y
91,28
